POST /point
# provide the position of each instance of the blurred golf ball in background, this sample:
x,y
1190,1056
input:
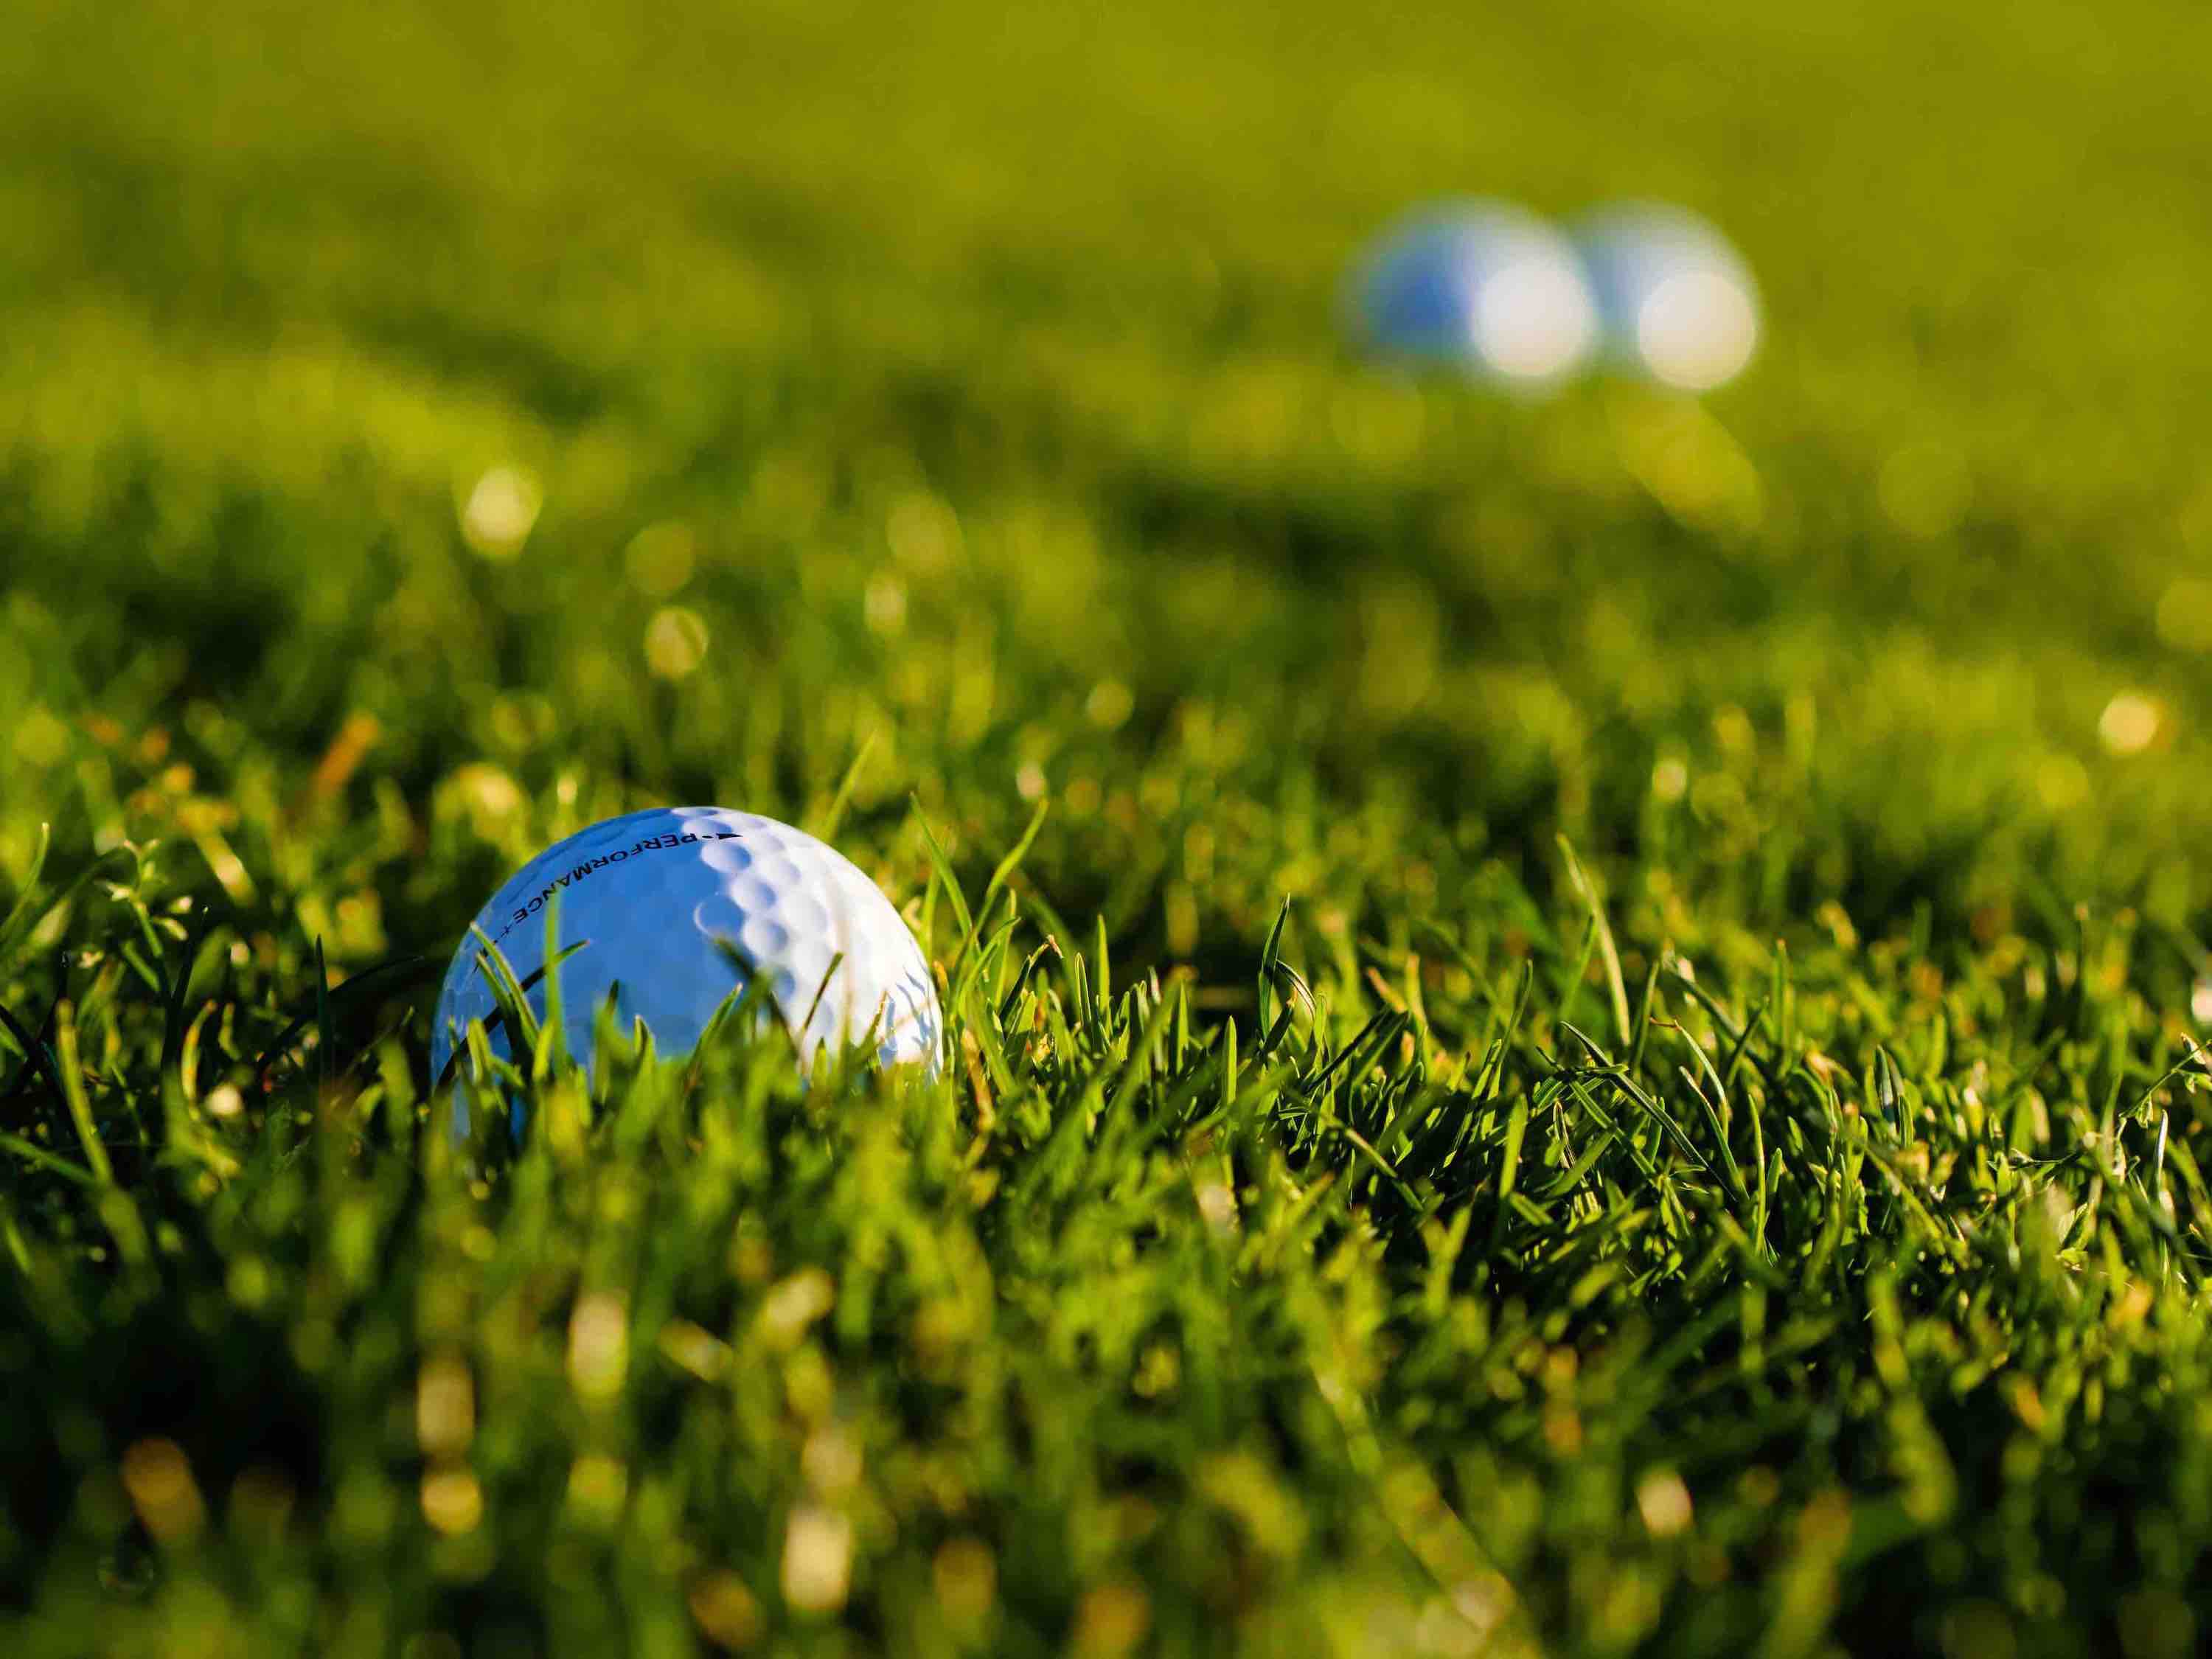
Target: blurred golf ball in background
x,y
1677,302
1483,285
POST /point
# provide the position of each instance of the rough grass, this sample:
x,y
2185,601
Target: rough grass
x,y
1595,1051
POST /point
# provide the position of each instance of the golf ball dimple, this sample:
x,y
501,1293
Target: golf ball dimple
x,y
668,912
1677,302
1483,285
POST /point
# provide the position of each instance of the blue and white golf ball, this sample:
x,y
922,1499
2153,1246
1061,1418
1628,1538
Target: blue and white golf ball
x,y
1677,302
673,909
1484,285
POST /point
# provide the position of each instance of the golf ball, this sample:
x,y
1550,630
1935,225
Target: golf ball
x,y
1482,284
669,911
1677,303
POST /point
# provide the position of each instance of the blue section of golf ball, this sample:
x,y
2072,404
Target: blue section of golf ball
x,y
1483,285
1677,302
672,909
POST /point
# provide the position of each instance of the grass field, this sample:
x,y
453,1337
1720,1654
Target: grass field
x,y
1593,1052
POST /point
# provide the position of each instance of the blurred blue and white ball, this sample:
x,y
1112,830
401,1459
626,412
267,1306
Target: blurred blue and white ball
x,y
1677,302
1481,284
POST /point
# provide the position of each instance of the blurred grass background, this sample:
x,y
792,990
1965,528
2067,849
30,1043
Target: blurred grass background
x,y
1056,296
422,432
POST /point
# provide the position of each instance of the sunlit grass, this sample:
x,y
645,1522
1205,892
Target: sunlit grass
x,y
1595,1051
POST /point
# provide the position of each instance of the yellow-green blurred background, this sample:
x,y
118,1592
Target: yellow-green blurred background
x,y
981,360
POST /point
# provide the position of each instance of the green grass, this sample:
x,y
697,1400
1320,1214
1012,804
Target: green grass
x,y
1595,1051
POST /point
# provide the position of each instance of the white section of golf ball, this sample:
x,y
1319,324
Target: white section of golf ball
x,y
657,902
1677,302
1484,284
